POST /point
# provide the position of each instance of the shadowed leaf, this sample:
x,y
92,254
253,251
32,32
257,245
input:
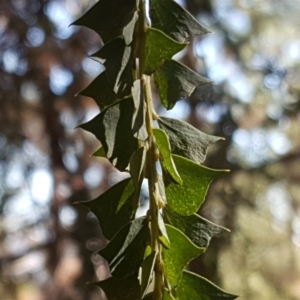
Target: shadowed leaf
x,y
137,162
175,81
114,208
116,289
125,252
186,199
117,59
186,140
197,229
174,20
102,92
108,18
113,129
146,272
180,253
159,48
193,286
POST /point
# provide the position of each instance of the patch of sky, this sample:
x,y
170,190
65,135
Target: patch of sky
x,y
181,110
60,79
60,16
35,36
92,67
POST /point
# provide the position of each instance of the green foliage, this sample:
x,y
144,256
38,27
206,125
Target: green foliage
x,y
147,256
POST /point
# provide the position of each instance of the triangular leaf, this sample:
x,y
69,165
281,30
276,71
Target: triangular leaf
x,y
99,153
186,140
180,253
186,199
125,252
113,129
174,20
117,59
159,48
175,81
138,118
195,287
114,208
197,229
108,18
136,169
101,92
146,272
166,159
116,289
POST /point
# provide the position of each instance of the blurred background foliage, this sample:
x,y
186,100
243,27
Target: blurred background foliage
x,y
47,243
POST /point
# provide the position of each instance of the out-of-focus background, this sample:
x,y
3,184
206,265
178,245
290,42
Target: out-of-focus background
x,y
47,244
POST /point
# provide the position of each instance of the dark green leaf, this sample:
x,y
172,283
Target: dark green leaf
x,y
116,289
125,252
186,140
166,159
195,287
113,129
159,48
186,199
180,253
117,59
146,272
100,152
102,92
136,169
175,81
174,20
114,208
108,18
197,229
138,118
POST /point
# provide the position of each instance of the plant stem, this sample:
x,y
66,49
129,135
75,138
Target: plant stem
x,y
152,156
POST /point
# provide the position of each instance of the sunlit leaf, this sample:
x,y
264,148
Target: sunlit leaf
x,y
166,159
180,253
163,235
195,287
138,118
113,129
116,56
186,140
187,198
175,81
108,18
128,30
114,208
168,296
197,229
99,153
146,272
159,48
125,252
174,20
116,289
